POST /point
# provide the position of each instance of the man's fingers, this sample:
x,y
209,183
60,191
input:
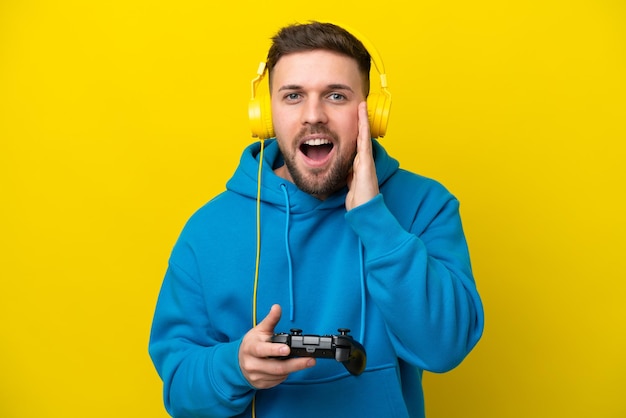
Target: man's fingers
x,y
288,366
363,140
267,373
362,183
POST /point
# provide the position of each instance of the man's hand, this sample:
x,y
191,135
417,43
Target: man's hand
x,y
255,351
362,181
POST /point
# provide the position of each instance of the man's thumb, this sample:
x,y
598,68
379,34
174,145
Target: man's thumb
x,y
269,322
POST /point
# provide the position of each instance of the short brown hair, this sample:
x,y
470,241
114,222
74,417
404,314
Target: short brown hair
x,y
317,35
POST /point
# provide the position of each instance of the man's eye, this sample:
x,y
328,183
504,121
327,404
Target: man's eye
x,y
292,96
336,96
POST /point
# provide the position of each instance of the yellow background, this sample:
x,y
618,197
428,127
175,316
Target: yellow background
x,y
119,118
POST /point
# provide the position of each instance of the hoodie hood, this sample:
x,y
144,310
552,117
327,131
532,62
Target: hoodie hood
x,y
273,187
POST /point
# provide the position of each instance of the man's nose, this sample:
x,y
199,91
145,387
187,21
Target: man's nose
x,y
314,111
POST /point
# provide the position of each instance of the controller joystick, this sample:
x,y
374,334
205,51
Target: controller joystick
x,y
341,347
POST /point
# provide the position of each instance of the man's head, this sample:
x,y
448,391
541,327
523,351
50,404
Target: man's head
x,y
319,73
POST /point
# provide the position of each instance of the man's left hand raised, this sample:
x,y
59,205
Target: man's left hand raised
x,y
362,181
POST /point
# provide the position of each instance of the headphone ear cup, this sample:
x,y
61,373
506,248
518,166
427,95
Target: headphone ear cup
x,y
378,106
260,115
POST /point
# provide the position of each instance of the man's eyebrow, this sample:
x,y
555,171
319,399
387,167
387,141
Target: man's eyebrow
x,y
339,87
290,87
330,87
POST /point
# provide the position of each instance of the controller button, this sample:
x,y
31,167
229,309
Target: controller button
x,y
310,340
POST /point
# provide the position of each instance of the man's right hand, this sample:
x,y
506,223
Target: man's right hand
x,y
255,352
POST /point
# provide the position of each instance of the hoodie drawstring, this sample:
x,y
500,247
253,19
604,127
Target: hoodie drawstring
x,y
290,269
288,251
363,292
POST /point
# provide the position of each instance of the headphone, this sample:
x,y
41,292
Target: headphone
x,y
378,104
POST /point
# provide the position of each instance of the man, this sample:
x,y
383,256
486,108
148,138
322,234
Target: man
x,y
346,240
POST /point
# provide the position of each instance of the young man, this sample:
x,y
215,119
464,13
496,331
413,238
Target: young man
x,y
347,240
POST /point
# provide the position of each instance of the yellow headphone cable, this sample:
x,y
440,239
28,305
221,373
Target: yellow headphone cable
x,y
258,251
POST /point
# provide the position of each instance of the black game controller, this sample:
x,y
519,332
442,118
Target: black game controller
x,y
342,348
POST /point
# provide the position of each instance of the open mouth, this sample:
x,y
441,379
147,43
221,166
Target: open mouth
x,y
316,149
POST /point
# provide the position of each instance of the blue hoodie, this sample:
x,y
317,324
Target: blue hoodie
x,y
395,271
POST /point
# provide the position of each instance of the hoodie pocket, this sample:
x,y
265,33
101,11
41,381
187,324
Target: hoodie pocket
x,y
373,394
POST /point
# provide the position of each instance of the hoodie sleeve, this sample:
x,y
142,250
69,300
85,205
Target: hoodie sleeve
x,y
201,376
419,276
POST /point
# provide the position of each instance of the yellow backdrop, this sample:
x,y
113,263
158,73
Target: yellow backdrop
x,y
119,118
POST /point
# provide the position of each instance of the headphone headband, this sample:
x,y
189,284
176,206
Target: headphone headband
x,y
377,60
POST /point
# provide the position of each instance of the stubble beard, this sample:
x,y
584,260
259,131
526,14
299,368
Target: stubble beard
x,y
319,182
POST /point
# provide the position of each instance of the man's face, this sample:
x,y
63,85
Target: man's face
x,y
315,96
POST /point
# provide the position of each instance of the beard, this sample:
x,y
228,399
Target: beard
x,y
320,182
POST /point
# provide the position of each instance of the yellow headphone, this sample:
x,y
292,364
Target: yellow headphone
x,y
378,104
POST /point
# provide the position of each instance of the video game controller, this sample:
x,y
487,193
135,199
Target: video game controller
x,y
342,348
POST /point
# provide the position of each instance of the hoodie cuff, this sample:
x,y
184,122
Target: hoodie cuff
x,y
379,230
226,374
